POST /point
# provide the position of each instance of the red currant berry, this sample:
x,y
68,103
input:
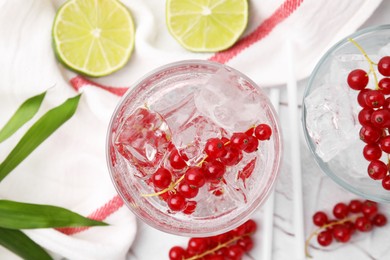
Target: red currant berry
x,y
357,79
350,225
246,243
234,252
369,134
215,148
176,202
195,177
176,160
232,157
213,169
384,66
325,238
239,141
239,231
380,118
379,220
176,253
250,131
162,178
221,238
364,116
340,210
355,206
253,144
225,140
374,99
377,169
372,152
188,191
263,132
387,103
363,224
250,226
190,207
384,86
386,182
385,144
361,98
320,218
369,208
197,244
342,234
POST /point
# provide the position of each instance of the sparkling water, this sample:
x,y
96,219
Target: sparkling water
x,y
186,115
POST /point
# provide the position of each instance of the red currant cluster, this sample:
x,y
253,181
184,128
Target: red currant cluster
x,y
227,246
357,215
177,183
374,117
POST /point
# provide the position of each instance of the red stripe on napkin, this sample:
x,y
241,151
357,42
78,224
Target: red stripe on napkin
x,y
100,214
284,11
78,82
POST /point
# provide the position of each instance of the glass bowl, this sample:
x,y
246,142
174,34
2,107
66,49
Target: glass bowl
x,y
330,112
181,106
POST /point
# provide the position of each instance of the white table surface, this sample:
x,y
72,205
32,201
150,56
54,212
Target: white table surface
x,y
319,192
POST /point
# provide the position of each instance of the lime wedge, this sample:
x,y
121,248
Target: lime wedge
x,y
207,25
93,37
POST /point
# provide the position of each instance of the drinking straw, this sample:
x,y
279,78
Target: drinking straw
x,y
269,205
295,156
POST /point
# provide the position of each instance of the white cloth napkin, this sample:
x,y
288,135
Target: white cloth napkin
x,y
69,169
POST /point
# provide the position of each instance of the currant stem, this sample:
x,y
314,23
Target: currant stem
x,y
314,233
219,246
170,188
370,62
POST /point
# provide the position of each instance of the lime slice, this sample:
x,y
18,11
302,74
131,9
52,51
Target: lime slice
x,y
207,25
93,37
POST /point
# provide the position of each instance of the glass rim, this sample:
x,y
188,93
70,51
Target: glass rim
x,y
258,200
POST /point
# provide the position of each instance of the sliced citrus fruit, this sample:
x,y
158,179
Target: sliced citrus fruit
x,y
93,37
207,25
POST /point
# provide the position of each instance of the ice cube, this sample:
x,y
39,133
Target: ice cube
x,y
331,119
233,108
191,137
143,139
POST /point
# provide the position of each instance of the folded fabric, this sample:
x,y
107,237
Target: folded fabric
x,y
69,169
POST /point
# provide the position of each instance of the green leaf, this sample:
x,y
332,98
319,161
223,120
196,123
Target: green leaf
x,y
20,244
25,112
17,215
38,133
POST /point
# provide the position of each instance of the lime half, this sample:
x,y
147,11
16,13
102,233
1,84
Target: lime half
x,y
207,25
93,37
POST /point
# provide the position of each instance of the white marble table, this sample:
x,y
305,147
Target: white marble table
x,y
319,192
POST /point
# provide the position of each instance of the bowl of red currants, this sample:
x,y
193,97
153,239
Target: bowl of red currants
x,y
346,113
194,148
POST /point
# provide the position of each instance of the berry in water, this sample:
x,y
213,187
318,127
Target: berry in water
x,y
176,160
215,148
263,132
239,140
162,178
